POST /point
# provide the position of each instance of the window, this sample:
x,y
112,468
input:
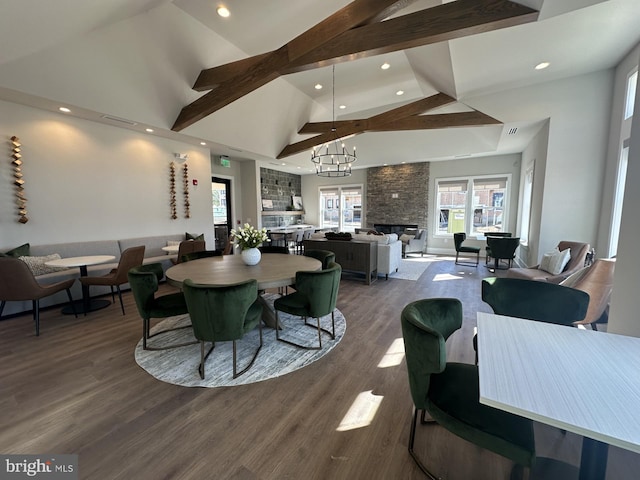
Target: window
x,y
618,199
632,85
525,211
482,211
341,208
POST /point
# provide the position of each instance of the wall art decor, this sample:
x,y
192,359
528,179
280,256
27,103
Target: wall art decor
x,y
172,190
16,160
185,178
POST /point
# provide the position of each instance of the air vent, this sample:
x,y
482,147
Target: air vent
x,y
512,131
118,119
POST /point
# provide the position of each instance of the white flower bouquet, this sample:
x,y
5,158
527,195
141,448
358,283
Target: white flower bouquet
x,y
249,237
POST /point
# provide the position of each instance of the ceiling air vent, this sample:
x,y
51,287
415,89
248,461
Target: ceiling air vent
x,y
119,120
512,131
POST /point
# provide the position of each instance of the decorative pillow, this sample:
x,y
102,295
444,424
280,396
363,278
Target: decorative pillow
x,y
173,243
554,262
37,264
194,236
374,232
21,251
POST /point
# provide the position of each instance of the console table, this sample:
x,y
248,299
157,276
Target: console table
x,y
352,255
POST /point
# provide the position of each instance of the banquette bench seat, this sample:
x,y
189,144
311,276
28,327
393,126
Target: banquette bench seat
x,y
153,254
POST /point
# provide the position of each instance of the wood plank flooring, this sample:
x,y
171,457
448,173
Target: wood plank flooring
x,y
77,389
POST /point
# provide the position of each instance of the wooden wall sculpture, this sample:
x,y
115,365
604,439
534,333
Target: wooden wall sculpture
x,y
172,191
21,200
185,184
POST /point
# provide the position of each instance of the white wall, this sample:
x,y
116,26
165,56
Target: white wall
x,y
88,181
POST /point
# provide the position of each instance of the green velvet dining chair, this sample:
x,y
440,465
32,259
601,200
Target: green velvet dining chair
x,y
316,296
449,392
325,256
458,240
223,314
144,285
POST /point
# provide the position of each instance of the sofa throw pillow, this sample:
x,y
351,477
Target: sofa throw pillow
x,y
173,243
194,236
37,264
555,261
404,238
22,250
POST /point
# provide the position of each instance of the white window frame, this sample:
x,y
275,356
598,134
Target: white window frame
x,y
469,202
340,189
630,94
525,208
618,198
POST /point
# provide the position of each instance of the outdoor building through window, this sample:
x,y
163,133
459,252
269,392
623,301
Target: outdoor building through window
x,y
341,208
482,211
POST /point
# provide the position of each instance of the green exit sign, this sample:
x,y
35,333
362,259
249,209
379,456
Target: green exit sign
x,y
224,161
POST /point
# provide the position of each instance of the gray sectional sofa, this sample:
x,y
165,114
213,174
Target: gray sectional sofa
x,y
153,253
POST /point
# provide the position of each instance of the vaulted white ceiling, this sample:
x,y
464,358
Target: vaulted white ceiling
x,y
137,60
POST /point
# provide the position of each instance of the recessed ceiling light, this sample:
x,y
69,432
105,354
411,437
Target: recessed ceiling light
x,y
150,130
203,143
64,109
318,86
223,11
385,66
542,65
283,164
400,92
342,107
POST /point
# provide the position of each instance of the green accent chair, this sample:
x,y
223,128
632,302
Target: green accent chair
x,y
458,239
17,283
144,285
449,392
533,300
315,296
502,248
201,254
487,249
223,314
325,256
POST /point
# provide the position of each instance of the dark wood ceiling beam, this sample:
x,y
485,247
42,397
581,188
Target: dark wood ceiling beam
x,y
432,25
438,121
337,38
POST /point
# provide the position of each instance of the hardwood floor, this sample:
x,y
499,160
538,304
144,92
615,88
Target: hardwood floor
x,y
77,389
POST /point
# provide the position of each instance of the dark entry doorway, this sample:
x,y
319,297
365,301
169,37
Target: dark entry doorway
x,y
221,198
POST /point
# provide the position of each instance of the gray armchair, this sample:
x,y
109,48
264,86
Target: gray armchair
x,y
417,244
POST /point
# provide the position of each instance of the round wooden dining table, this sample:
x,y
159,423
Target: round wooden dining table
x,y
274,270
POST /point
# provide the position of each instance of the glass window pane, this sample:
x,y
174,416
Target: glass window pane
x,y
488,205
451,205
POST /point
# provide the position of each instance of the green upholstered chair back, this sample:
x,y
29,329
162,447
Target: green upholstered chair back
x,y
426,325
458,238
144,284
218,313
503,247
535,300
320,289
498,234
325,256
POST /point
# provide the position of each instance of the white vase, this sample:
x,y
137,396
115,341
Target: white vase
x,y
251,256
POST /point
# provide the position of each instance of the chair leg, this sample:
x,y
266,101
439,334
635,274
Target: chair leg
x,y
36,315
412,438
203,357
113,297
120,297
2,304
236,374
306,347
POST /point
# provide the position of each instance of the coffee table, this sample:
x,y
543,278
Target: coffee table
x,y
87,304
582,381
274,270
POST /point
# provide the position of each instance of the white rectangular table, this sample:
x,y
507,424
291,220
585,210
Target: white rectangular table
x,y
582,381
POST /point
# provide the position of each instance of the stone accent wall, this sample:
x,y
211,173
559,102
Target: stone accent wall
x,y
279,187
410,182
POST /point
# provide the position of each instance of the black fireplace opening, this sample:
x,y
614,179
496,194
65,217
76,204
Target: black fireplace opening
x,y
397,228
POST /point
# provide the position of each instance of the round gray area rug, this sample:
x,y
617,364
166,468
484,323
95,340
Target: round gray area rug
x,y
179,366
